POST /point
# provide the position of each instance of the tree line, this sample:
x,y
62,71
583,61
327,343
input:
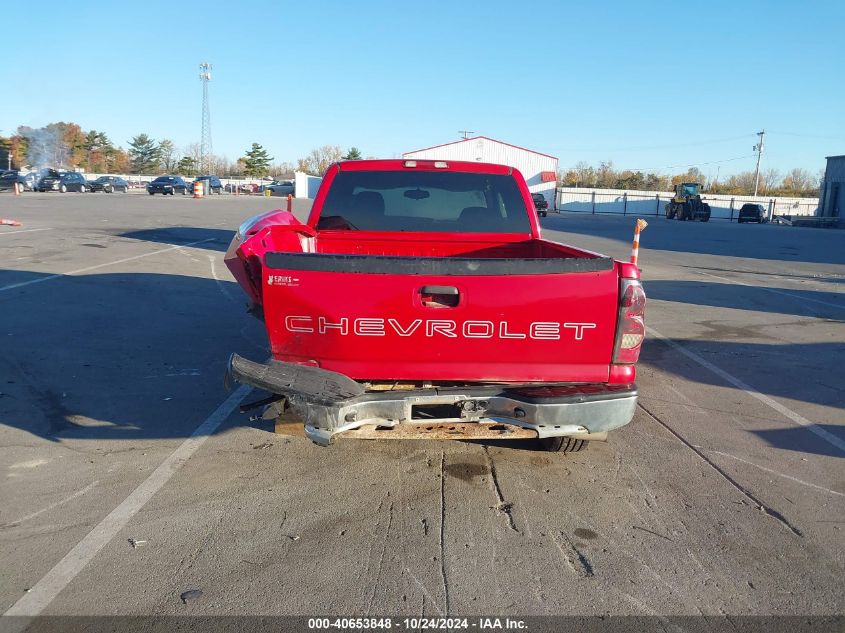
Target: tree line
x,y
795,183
67,146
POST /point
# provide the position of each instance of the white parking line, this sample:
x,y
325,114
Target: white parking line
x,y
56,504
774,291
827,436
85,270
774,472
25,231
46,589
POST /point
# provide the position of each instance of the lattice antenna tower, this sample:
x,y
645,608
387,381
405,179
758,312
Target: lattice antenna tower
x,y
205,139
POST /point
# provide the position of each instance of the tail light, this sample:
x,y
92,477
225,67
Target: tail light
x,y
630,328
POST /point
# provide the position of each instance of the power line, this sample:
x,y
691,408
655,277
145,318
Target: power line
x,y
710,162
649,147
817,136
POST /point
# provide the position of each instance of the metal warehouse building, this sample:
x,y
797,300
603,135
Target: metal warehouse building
x,y
832,194
539,170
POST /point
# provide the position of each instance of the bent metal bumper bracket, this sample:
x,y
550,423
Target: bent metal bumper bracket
x,y
333,405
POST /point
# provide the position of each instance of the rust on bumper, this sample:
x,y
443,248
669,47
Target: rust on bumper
x,y
439,431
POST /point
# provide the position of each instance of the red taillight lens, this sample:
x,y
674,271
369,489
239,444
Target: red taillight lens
x,y
630,330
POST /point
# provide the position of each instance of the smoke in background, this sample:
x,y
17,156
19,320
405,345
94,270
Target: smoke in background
x,y
46,147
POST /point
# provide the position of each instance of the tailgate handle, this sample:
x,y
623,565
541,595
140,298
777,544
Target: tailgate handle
x,y
439,296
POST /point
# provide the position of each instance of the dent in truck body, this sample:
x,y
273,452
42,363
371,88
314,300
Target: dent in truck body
x,y
331,404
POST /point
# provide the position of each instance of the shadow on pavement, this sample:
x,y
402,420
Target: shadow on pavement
x,y
118,356
801,440
792,371
755,298
831,279
213,239
768,242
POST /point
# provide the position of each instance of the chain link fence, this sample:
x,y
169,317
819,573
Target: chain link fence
x,y
652,203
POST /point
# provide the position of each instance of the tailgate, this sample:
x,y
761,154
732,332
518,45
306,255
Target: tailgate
x,y
443,319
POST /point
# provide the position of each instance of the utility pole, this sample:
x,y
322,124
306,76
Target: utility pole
x,y
205,138
465,133
759,149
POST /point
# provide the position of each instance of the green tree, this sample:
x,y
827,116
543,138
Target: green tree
x,y
5,152
353,154
187,166
656,182
99,151
167,155
143,152
630,180
257,161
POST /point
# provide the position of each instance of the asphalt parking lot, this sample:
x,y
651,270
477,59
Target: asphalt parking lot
x,y
129,479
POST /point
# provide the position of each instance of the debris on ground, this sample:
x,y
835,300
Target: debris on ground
x,y
504,507
136,543
264,445
191,594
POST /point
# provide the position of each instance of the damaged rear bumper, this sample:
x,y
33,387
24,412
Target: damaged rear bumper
x,y
332,404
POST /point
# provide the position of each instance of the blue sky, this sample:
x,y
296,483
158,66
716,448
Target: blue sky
x,y
624,81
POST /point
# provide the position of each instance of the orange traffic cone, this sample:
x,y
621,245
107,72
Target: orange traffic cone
x,y
198,189
635,248
18,187
290,203
6,222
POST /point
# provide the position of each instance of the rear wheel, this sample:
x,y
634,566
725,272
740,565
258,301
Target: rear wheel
x,y
562,444
81,188
63,188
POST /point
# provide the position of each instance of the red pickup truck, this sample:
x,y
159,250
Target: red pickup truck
x,y
420,301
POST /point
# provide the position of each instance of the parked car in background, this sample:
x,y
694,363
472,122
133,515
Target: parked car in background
x,y
27,181
63,181
167,185
9,178
279,188
241,188
109,184
210,184
541,204
751,212
30,181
